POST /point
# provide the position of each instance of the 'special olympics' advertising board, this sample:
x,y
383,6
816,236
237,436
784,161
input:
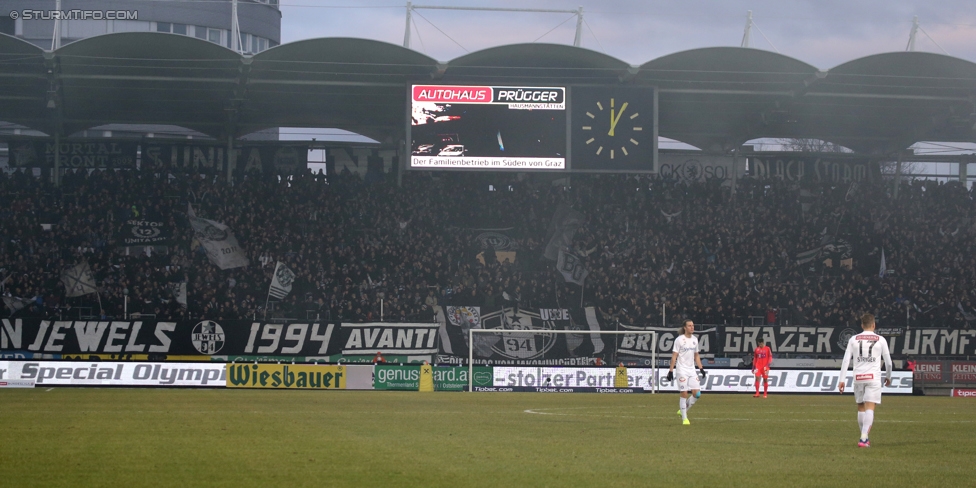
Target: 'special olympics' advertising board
x,y
569,379
92,373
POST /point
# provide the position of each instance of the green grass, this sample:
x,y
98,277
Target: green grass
x,y
157,437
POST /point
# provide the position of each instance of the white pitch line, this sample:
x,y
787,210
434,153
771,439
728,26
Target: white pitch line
x,y
49,389
732,419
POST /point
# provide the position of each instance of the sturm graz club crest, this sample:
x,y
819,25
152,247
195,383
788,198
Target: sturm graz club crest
x,y
211,233
285,276
516,346
844,336
497,241
208,337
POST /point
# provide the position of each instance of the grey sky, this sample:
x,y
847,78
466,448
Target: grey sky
x,y
824,33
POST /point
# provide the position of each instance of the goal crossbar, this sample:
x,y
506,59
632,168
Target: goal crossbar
x,y
472,332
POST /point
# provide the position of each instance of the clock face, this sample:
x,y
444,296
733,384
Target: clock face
x,y
611,132
612,129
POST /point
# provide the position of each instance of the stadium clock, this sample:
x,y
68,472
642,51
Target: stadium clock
x,y
612,129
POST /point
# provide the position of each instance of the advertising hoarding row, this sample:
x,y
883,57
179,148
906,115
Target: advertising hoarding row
x,y
387,377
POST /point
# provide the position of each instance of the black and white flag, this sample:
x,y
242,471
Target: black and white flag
x,y
179,292
281,281
219,241
78,280
572,269
807,256
561,230
15,304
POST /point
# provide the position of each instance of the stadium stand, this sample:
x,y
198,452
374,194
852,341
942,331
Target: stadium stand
x,y
352,244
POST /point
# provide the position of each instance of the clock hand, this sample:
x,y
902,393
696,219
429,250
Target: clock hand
x,y
614,120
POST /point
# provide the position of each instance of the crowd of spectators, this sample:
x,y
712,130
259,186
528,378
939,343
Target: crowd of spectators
x,y
369,251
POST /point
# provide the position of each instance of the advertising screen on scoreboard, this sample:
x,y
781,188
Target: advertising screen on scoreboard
x,y
488,127
580,128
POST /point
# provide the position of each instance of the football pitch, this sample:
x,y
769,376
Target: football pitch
x,y
182,437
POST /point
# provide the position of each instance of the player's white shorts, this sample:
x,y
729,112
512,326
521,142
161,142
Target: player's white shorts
x,y
687,381
868,391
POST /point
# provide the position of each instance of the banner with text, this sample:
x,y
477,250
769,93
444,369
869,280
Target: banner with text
x,y
814,168
213,158
73,154
159,340
143,233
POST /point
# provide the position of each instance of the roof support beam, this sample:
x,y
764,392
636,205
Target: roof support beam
x,y
55,109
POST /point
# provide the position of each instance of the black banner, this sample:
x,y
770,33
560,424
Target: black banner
x,y
208,337
143,233
817,168
213,158
73,154
639,344
448,339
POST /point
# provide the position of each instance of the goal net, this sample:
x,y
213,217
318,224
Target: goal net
x,y
564,358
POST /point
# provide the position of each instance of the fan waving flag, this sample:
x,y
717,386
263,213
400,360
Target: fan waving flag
x,y
572,269
179,292
219,241
884,265
15,304
281,281
78,280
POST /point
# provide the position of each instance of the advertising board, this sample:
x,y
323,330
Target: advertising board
x,y
446,378
90,373
718,380
286,376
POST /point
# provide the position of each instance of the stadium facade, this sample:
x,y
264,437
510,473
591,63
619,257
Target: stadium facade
x,y
260,21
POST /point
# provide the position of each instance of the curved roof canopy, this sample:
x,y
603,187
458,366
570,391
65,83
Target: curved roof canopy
x,y
713,98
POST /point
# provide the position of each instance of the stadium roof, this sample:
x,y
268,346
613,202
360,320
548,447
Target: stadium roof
x,y
712,98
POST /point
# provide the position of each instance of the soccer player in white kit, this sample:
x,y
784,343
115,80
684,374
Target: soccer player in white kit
x,y
866,350
684,358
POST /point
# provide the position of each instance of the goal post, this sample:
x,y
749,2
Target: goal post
x,y
647,338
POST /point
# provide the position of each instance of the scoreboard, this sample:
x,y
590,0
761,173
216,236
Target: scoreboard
x,y
579,128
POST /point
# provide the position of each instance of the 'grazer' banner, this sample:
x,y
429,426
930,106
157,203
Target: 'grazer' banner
x,y
73,154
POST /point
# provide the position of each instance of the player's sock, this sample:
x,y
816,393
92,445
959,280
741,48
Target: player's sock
x,y
860,421
691,402
766,387
866,426
683,405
